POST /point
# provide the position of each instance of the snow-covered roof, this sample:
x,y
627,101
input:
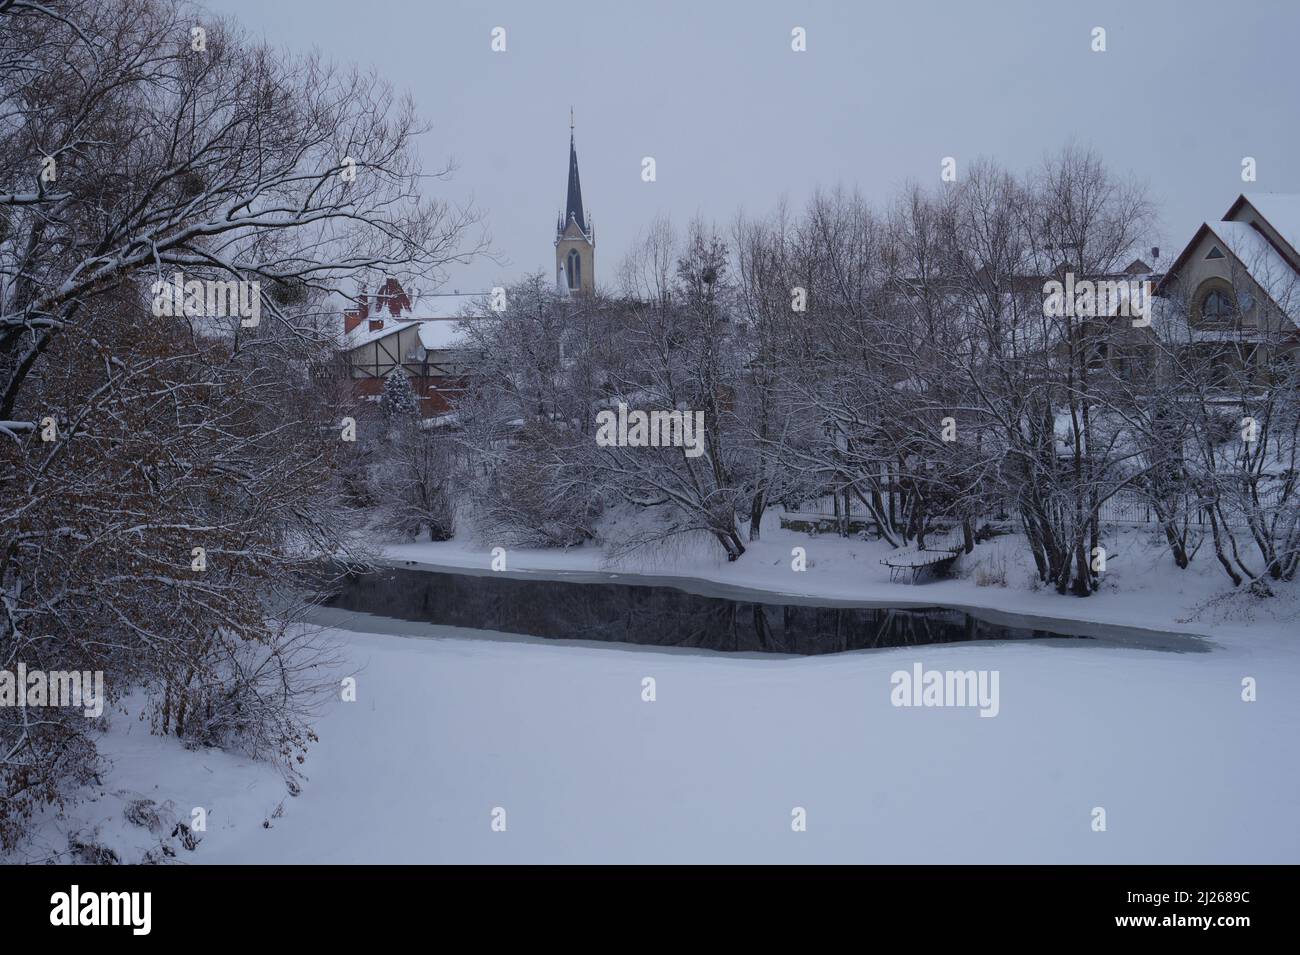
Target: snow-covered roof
x,y
436,334
441,333
1282,210
436,322
364,335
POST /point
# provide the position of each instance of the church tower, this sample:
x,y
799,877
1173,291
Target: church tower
x,y
575,238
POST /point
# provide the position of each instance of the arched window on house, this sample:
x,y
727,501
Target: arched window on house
x,y
1216,306
1222,359
573,269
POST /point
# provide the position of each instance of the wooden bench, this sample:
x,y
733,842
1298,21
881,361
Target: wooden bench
x,y
912,565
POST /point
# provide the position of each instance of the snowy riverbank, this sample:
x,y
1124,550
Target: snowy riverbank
x,y
1142,587
448,727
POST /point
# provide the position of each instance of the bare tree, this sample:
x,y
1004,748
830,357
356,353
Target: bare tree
x,y
170,480
1232,419
678,332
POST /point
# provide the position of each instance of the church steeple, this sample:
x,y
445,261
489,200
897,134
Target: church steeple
x,y
573,206
575,239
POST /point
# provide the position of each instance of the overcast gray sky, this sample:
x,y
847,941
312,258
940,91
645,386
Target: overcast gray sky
x,y
736,119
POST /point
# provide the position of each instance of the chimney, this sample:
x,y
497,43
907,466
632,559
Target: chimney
x,y
354,317
393,297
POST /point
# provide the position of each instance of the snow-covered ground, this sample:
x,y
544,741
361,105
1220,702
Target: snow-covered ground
x,y
450,725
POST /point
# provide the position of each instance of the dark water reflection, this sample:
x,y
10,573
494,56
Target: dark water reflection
x,y
654,615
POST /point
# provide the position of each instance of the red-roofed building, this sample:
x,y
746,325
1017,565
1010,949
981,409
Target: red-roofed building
x,y
383,335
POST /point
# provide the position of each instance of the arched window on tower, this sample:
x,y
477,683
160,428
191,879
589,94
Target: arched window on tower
x,y
573,269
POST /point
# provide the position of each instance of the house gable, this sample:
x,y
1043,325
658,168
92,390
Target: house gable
x,y
1247,261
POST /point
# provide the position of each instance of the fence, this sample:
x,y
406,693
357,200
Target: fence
x,y
827,507
1126,507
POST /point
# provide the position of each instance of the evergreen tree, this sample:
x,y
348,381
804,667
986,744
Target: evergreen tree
x,y
398,401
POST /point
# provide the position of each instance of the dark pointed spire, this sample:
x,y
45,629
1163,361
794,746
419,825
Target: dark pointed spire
x,y
573,206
